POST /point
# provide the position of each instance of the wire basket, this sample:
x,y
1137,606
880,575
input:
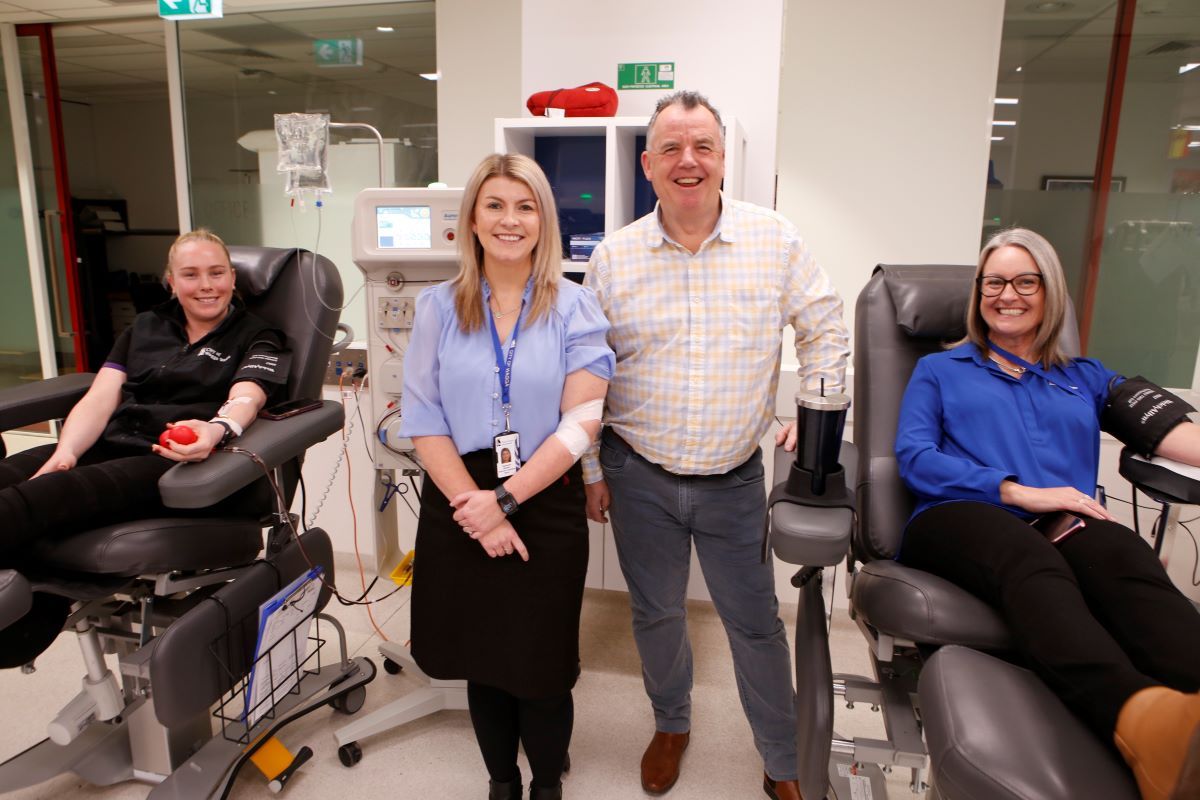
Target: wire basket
x,y
284,666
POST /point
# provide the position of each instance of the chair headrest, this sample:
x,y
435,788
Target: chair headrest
x,y
256,268
929,300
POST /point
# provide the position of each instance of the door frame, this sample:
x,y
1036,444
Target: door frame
x,y
62,187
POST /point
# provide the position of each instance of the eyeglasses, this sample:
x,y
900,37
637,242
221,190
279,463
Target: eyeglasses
x,y
1026,283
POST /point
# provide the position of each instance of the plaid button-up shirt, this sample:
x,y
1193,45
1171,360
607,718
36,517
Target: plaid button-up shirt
x,y
697,336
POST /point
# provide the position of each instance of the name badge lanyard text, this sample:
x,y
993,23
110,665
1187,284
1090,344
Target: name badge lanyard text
x,y
504,364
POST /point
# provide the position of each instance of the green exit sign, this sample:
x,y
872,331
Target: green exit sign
x,y
656,75
338,52
189,9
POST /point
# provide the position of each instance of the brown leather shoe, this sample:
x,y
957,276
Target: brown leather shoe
x,y
781,790
1154,730
660,762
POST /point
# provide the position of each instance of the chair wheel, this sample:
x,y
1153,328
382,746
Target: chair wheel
x,y
350,702
350,754
391,667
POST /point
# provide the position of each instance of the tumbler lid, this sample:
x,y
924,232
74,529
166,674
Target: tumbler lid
x,y
818,402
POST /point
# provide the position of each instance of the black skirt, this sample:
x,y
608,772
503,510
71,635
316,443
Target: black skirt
x,y
502,622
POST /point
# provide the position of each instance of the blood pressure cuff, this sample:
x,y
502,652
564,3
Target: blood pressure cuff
x,y
1141,413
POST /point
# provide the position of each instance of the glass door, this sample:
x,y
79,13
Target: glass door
x,y
20,360
56,223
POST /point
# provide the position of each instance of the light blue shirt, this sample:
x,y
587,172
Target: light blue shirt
x,y
966,426
451,384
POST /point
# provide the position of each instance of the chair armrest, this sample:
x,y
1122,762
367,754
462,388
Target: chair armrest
x,y
52,398
1161,478
201,484
811,535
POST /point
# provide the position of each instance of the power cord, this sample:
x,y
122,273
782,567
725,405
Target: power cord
x,y
282,514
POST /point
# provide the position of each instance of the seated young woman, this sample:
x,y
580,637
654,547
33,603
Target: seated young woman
x,y
200,361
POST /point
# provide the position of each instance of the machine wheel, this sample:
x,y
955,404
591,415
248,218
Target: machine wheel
x,y
391,667
350,754
350,702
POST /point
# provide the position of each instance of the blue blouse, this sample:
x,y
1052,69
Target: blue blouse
x,y
966,426
452,386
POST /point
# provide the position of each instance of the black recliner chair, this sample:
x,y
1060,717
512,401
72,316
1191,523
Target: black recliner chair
x,y
993,730
177,598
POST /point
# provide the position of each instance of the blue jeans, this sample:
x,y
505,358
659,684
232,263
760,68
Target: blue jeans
x,y
656,516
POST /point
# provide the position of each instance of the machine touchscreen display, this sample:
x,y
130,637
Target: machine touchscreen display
x,y
403,227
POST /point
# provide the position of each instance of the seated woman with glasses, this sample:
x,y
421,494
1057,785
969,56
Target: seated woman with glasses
x,y
998,440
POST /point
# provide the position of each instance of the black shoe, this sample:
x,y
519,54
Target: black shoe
x,y
545,792
511,790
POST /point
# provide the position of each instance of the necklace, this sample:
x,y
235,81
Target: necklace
x,y
1006,367
498,314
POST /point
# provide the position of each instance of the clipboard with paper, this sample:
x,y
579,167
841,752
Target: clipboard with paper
x,y
283,625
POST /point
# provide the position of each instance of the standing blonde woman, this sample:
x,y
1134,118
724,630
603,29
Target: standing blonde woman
x,y
508,359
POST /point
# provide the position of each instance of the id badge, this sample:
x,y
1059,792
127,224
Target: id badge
x,y
507,447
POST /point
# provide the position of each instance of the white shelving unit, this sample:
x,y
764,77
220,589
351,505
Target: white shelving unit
x,y
518,134
620,134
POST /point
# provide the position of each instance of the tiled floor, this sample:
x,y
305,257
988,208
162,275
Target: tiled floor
x,y
436,757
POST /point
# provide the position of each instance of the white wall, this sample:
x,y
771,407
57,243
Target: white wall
x,y
884,130
479,57
719,49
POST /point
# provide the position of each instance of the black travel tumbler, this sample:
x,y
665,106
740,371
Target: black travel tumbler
x,y
820,422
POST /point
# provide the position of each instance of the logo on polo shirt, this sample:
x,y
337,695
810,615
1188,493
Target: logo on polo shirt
x,y
213,354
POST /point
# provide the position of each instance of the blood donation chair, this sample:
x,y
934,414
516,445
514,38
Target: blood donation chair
x,y
177,599
949,697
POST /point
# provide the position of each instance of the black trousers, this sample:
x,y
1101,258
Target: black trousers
x,y
105,487
503,720
1096,617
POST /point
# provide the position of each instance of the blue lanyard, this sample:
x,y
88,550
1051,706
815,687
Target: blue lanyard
x,y
1036,369
503,363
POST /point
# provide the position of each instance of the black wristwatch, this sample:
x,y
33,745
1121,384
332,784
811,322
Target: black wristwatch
x,y
508,503
228,431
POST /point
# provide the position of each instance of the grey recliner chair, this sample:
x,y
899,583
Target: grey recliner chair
x,y
177,598
993,730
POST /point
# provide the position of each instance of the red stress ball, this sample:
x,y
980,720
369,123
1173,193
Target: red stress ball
x,y
180,433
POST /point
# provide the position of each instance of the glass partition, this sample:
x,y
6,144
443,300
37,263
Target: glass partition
x,y
19,360
360,64
1049,103
1147,314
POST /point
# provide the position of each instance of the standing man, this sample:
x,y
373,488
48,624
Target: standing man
x,y
698,293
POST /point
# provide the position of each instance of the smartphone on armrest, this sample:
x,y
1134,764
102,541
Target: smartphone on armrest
x,y
1058,525
289,409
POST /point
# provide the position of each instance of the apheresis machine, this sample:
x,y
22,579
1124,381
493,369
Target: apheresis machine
x,y
403,240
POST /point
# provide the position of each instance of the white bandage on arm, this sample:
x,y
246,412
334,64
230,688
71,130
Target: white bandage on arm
x,y
231,404
570,428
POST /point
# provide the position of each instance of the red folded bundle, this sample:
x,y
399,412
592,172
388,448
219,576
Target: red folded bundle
x,y
590,100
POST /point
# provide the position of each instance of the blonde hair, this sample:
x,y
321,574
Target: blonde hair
x,y
547,252
198,235
1046,344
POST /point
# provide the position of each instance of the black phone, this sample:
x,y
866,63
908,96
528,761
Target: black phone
x,y
1058,526
289,409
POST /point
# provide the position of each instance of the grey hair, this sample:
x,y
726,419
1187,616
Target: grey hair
x,y
689,100
1047,347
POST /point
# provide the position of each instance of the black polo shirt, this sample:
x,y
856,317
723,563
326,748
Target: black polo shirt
x,y
168,379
